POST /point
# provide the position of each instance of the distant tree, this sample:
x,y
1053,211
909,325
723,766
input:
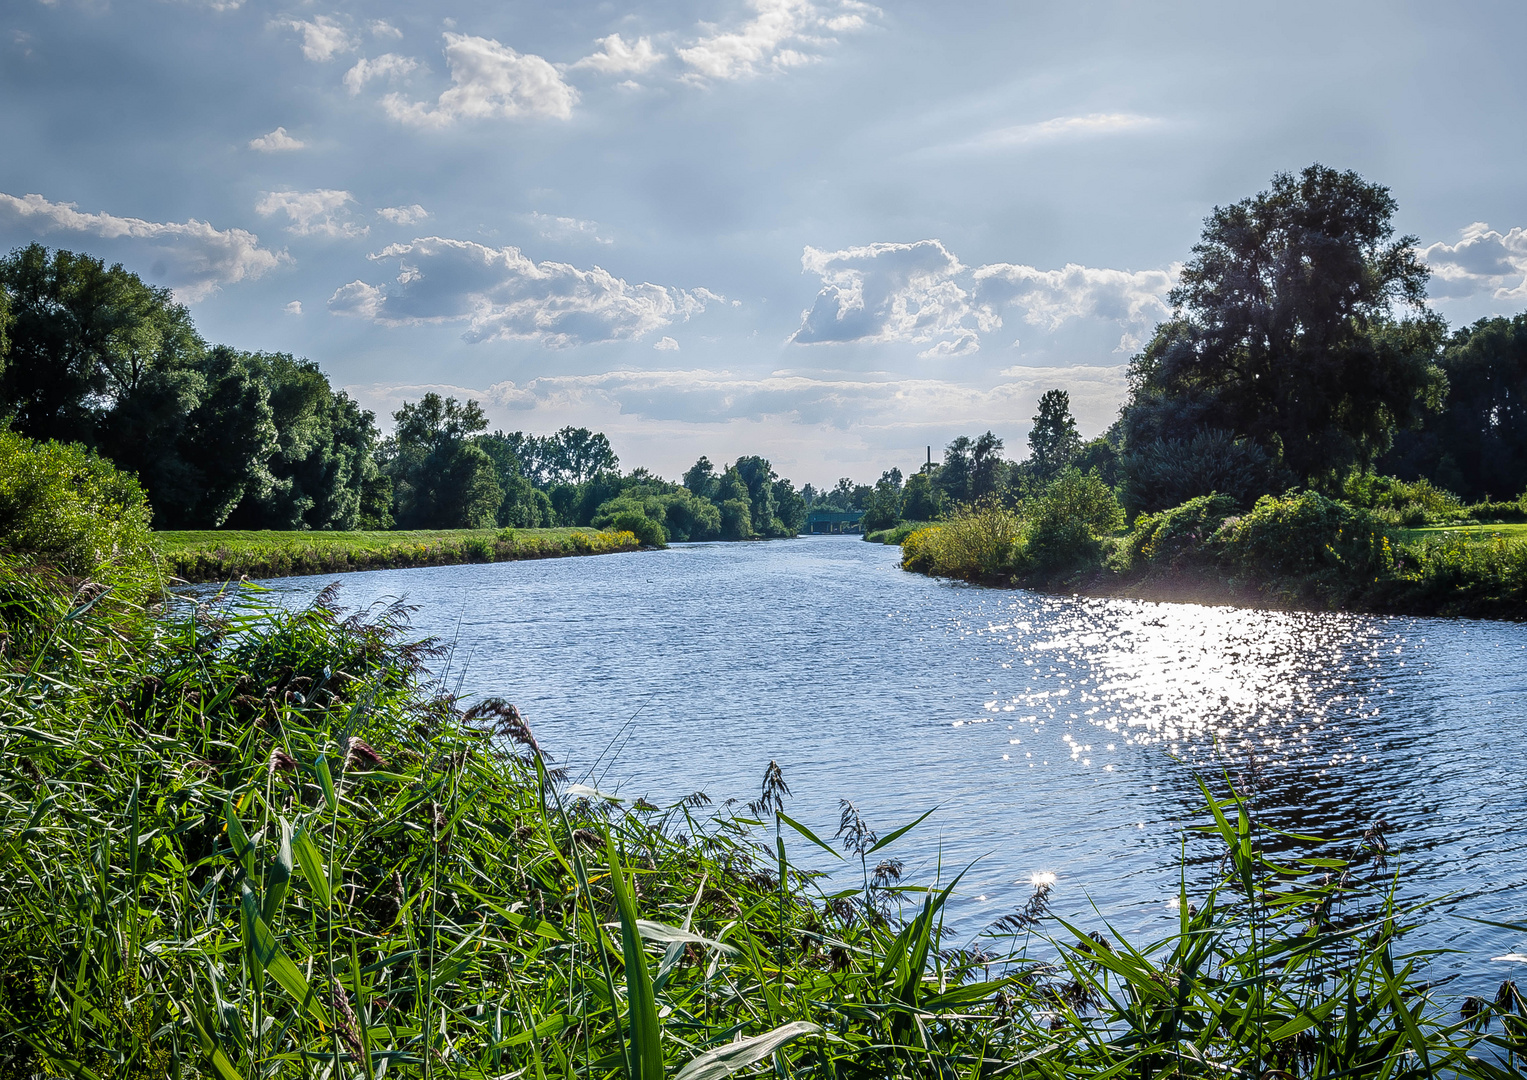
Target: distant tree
x,y
1053,441
1286,332
953,479
524,506
891,476
1478,445
921,501
583,454
735,505
442,480
789,506
701,478
985,466
759,476
883,509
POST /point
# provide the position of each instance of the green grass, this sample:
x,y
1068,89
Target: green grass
x,y
242,842
1517,531
214,555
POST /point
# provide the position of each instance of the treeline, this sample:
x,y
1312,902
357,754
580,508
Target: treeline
x,y
224,438
1300,354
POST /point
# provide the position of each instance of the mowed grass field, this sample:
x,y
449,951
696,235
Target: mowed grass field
x,y
1515,531
216,555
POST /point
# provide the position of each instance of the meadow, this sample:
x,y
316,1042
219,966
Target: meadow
x,y
221,555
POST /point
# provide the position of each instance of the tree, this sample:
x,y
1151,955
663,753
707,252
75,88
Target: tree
x,y
759,476
1478,446
1285,331
789,506
441,479
735,505
524,506
1053,441
985,466
701,478
920,499
953,480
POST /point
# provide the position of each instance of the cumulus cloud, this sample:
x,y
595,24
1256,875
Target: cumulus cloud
x,y
489,81
666,344
890,292
922,294
192,258
1483,261
275,142
616,57
499,293
323,212
383,28
293,308
322,37
386,66
776,38
403,215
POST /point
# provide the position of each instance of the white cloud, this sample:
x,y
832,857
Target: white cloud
x,y
501,294
615,57
567,228
293,308
275,142
386,66
921,294
890,292
1483,261
490,81
192,258
773,39
322,37
666,344
313,213
403,215
383,28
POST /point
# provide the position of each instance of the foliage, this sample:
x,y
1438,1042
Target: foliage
x,y
898,535
1168,472
223,555
974,543
1053,441
1397,502
1177,538
921,500
1478,445
570,457
441,478
63,506
1066,524
1305,535
1285,333
676,514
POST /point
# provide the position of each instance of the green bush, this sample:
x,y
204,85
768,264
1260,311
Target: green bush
x,y
1177,537
1306,535
64,507
1067,523
1400,502
649,532
977,542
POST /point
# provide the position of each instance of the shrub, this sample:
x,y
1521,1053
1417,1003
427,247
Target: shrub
x,y
1068,521
1401,502
1305,535
1168,472
977,542
649,532
1178,536
62,506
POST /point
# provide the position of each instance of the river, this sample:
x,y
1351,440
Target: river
x,y
1054,735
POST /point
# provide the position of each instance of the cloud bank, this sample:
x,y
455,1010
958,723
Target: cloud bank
x,y
192,258
501,294
775,39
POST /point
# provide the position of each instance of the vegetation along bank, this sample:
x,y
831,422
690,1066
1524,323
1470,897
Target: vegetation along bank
x,y
1302,432
245,841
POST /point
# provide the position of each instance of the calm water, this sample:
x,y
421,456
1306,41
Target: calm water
x,y
1054,735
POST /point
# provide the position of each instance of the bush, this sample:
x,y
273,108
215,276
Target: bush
x,y
1069,520
1168,472
1399,502
64,507
649,532
1304,535
977,542
1177,537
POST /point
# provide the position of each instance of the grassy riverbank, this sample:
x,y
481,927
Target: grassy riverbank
x,y
241,841
222,555
1297,551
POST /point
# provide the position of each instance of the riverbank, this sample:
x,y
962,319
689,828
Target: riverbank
x,y
228,555
259,839
1299,551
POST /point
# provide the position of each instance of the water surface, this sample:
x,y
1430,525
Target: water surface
x,y
1054,734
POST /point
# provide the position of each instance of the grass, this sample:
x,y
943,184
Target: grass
x,y
245,842
222,555
1515,531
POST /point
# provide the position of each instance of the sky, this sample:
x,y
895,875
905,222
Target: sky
x,y
825,231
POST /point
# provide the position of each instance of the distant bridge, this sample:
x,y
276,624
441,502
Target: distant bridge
x,y
820,522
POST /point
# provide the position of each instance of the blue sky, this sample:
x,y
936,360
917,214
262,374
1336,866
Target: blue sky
x,y
827,231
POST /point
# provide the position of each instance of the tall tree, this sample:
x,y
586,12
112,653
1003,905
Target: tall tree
x,y
442,480
1286,332
985,466
953,480
1053,441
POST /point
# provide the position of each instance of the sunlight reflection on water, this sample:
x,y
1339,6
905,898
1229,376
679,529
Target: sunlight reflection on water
x,y
1056,735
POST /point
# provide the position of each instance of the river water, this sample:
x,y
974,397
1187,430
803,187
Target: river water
x,y
1054,735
